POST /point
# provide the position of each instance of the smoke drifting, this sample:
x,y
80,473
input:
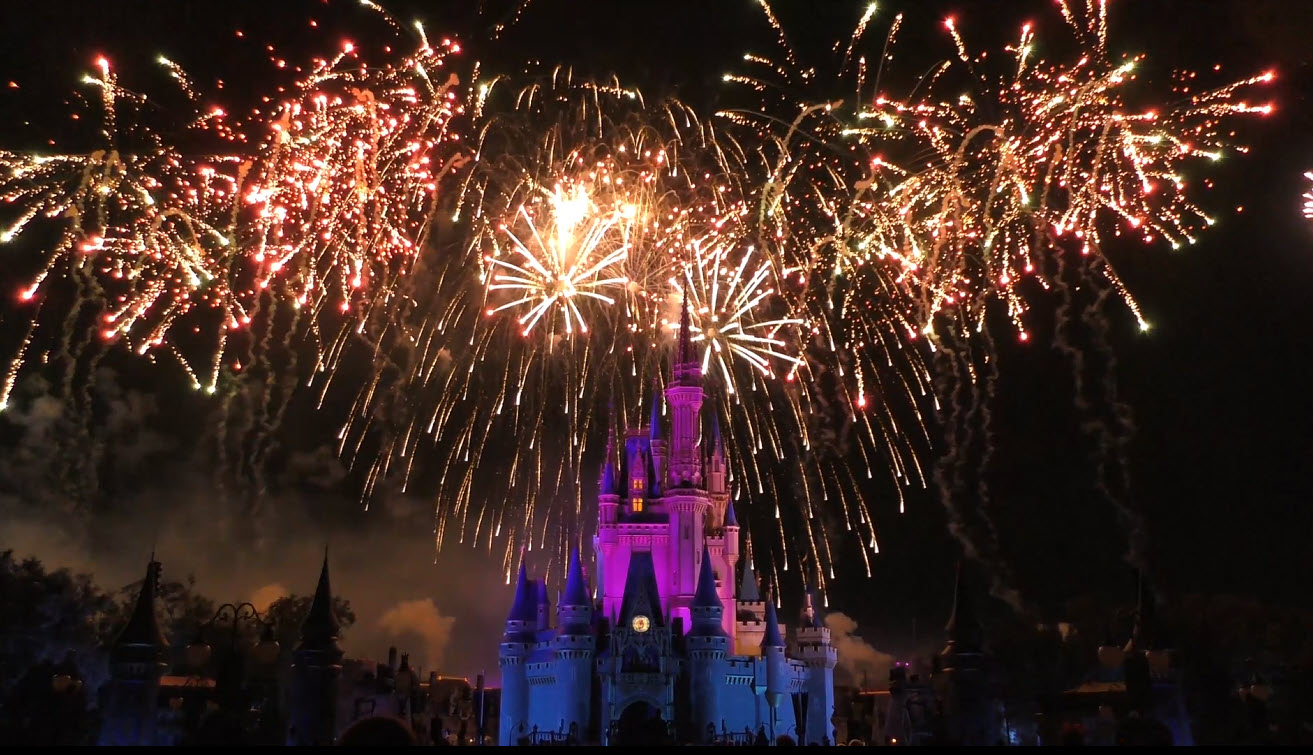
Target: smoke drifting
x,y
156,489
859,661
420,619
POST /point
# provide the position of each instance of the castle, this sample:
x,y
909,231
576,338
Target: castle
x,y
666,649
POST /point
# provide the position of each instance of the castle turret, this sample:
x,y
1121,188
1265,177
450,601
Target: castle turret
x,y
963,685
574,646
684,396
717,474
814,649
685,503
656,437
515,645
316,668
772,650
707,644
135,667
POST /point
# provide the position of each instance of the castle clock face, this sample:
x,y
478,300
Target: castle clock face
x,y
641,623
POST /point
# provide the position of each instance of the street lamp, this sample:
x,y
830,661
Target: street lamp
x,y
230,683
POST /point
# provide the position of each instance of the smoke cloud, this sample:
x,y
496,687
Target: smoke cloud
x,y
411,619
859,661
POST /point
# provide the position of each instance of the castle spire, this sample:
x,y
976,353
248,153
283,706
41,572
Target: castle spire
x,y
730,519
1143,634
748,591
964,630
688,368
706,596
772,638
576,589
143,630
654,422
525,607
321,627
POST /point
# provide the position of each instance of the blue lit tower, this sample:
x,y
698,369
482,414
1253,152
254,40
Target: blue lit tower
x,y
814,649
772,649
135,667
316,668
573,648
707,644
515,645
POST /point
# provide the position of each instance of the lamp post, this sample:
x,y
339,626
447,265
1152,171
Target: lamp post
x,y
232,695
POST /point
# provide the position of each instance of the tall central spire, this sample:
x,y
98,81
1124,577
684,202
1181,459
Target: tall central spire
x,y
688,368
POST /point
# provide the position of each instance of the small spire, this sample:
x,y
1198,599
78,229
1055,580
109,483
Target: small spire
x,y
772,638
320,624
543,599
576,587
964,631
706,595
609,486
142,629
811,618
1143,634
717,442
654,424
685,326
524,608
730,519
748,591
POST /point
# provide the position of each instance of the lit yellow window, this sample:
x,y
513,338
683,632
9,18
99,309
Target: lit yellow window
x,y
638,483
636,504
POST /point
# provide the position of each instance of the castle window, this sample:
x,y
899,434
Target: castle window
x,y
638,483
636,504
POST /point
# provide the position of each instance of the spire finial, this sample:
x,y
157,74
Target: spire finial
x,y
685,337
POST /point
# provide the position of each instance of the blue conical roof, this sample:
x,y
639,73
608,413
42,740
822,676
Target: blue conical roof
x,y
576,588
609,478
748,591
730,519
706,596
772,638
654,423
525,607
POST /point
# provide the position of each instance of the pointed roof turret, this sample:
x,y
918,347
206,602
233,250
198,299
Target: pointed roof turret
x,y
688,370
717,442
1143,634
609,486
525,607
964,631
321,627
730,519
654,422
706,595
576,587
685,334
543,599
748,590
811,618
143,630
772,638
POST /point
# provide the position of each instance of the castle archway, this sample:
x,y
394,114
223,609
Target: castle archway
x,y
641,725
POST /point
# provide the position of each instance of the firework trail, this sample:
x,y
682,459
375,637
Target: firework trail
x,y
222,261
488,267
941,207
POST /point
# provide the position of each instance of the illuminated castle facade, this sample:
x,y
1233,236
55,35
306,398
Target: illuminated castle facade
x,y
665,648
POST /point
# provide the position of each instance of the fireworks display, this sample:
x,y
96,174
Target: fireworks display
x,y
506,256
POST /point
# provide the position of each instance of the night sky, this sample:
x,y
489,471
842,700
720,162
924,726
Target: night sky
x,y
1219,387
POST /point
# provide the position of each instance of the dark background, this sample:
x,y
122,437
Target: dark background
x,y
1219,387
